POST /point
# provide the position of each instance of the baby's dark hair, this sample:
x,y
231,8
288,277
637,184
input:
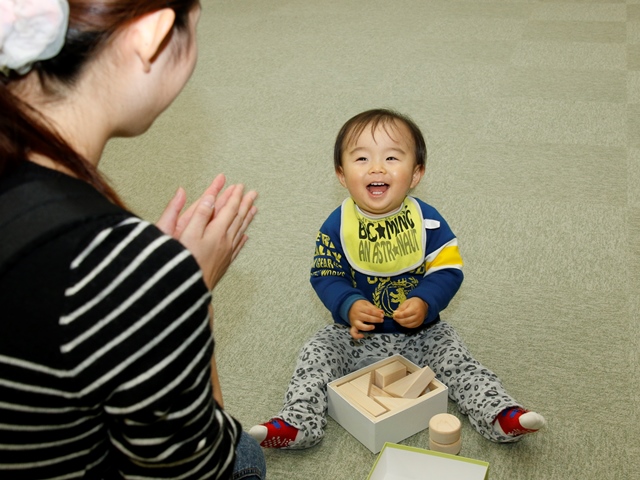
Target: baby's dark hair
x,y
354,127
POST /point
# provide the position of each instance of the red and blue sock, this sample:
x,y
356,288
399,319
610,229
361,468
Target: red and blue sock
x,y
518,421
276,433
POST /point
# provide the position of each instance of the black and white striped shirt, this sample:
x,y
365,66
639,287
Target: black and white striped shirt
x,y
105,350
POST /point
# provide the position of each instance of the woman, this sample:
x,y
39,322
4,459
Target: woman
x,y
106,351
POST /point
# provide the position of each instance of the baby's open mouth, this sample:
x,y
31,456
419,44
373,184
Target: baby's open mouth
x,y
377,188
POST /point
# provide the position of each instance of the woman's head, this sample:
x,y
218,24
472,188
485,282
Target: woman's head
x,y
88,28
93,25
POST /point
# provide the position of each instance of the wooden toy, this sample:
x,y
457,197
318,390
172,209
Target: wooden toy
x,y
444,428
444,434
393,402
360,414
364,383
390,373
355,395
377,392
452,449
412,385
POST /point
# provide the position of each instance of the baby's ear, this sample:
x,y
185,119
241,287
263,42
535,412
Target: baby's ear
x,y
340,175
418,172
148,34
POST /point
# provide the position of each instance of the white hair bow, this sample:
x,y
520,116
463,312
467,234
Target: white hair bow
x,y
31,30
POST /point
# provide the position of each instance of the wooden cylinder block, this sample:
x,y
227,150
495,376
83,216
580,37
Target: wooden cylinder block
x,y
451,449
444,428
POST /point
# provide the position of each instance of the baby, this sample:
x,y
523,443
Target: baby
x,y
386,264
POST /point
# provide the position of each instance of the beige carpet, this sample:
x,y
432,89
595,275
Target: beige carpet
x,y
532,116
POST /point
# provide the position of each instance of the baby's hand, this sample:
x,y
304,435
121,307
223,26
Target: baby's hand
x,y
361,315
411,313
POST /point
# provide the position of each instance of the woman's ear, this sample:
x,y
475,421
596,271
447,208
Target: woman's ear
x,y
148,34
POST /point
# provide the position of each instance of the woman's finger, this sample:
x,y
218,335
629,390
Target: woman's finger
x,y
224,217
239,225
224,196
213,189
239,246
169,218
199,219
245,224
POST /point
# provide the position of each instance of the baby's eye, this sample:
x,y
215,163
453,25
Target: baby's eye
x,y
392,158
361,159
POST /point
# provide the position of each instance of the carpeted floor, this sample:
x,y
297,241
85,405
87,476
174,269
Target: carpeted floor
x,y
531,110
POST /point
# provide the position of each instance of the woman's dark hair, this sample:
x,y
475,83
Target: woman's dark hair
x,y
91,24
354,127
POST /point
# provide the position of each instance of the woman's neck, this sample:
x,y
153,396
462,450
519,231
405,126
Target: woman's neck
x,y
66,114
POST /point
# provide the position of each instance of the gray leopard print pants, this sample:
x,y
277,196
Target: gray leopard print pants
x,y
332,353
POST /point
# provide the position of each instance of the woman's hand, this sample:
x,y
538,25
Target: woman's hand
x,y
213,227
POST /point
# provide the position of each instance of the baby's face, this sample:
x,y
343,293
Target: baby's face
x,y
379,168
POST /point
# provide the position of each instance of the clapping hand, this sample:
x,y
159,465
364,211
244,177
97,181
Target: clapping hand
x,y
213,227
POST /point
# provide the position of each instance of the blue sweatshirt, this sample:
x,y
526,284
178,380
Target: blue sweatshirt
x,y
386,259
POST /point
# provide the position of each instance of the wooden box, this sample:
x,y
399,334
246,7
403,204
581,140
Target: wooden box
x,y
394,425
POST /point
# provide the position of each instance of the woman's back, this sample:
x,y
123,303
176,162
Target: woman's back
x,y
127,360
106,352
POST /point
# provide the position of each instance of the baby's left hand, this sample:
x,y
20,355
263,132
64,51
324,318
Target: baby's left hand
x,y
411,313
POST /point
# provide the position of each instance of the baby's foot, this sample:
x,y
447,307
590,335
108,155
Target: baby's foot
x,y
276,433
518,421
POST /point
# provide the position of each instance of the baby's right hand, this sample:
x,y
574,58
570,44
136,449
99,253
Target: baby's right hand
x,y
361,316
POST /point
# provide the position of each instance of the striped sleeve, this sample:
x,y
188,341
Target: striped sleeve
x,y
136,339
446,256
442,267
